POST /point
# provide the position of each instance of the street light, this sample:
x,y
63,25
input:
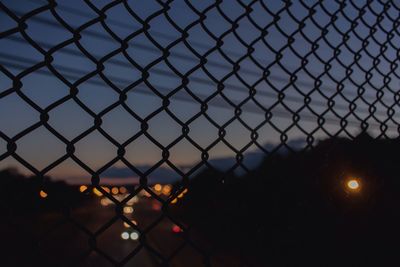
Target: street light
x,y
42,194
353,185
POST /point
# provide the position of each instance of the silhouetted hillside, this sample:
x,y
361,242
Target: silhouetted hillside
x,y
297,209
22,194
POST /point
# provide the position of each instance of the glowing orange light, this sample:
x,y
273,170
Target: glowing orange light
x,y
181,195
128,210
122,190
126,225
174,201
104,202
42,194
105,188
97,192
353,184
166,189
82,188
158,187
114,190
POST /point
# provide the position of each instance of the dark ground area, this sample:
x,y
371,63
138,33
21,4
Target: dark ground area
x,y
293,210
297,210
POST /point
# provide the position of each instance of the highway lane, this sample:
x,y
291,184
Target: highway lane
x,y
62,242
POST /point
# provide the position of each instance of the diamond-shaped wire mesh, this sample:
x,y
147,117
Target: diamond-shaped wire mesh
x,y
170,89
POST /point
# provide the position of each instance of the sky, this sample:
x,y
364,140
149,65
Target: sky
x,y
73,61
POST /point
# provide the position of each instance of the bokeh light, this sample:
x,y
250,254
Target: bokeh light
x,y
123,190
125,235
176,229
114,190
353,184
42,194
128,210
105,188
97,192
134,235
126,225
82,188
158,187
166,189
104,202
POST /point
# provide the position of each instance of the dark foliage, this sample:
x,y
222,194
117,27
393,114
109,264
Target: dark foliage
x,y
296,209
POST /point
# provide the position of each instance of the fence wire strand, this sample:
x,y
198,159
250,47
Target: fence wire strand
x,y
342,64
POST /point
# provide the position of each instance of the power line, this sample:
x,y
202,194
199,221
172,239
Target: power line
x,y
218,103
196,79
191,59
111,21
171,38
230,87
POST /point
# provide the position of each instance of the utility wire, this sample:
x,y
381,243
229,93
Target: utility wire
x,y
185,57
230,87
218,103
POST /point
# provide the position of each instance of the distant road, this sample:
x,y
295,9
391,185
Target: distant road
x,y
61,242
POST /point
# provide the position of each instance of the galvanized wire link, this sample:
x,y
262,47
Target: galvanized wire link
x,y
322,93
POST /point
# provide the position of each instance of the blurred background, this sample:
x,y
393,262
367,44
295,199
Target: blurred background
x,y
113,112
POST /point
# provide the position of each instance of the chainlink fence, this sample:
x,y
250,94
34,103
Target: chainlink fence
x,y
180,84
